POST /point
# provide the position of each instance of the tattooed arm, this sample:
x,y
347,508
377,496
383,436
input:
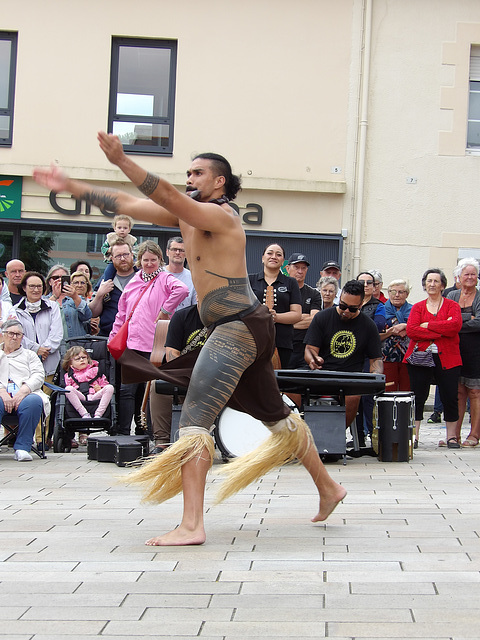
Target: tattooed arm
x,y
108,199
376,365
202,215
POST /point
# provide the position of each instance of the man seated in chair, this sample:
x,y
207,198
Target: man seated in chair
x,y
21,379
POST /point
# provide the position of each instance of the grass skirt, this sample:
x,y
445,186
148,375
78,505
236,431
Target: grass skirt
x,y
290,440
162,474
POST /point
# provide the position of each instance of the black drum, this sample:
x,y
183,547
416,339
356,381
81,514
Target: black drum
x,y
395,421
237,433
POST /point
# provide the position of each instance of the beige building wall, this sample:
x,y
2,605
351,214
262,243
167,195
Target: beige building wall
x,y
417,127
267,85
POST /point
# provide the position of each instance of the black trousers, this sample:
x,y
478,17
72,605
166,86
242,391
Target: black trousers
x,y
447,383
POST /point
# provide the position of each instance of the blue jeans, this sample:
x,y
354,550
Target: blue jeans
x,y
29,412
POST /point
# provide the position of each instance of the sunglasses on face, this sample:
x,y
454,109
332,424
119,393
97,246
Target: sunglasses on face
x,y
344,307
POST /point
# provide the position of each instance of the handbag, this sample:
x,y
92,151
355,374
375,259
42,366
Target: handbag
x,y
118,343
421,358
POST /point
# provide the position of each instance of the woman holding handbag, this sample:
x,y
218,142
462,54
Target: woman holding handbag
x,y
433,354
152,294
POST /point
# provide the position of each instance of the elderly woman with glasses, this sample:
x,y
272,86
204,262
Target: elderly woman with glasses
x,y
21,380
328,287
41,321
54,283
394,338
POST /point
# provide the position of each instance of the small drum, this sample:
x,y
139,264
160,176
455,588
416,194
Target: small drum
x,y
394,419
237,433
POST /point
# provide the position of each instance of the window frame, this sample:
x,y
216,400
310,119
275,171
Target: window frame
x,y
113,116
11,36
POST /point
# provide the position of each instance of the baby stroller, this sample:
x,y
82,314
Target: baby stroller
x,y
67,420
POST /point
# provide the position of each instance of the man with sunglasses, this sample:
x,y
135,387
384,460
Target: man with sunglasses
x,y
340,338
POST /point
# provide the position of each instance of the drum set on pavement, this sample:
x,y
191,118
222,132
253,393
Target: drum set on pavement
x,y
322,396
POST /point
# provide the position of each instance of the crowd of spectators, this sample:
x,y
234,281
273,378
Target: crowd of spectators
x,y
436,341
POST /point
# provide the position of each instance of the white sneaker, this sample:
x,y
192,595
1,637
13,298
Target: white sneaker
x,y
22,456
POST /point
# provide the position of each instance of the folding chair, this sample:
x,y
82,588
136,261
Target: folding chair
x,y
10,428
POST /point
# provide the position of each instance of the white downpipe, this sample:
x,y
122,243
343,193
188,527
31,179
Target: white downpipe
x,y
362,138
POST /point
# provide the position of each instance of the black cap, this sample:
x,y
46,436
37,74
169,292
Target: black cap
x,y
298,257
331,264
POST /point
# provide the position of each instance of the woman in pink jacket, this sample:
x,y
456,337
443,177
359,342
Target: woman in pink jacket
x,y
161,293
433,327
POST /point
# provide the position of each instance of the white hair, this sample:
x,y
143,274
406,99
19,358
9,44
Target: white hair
x,y
327,280
12,322
396,283
463,264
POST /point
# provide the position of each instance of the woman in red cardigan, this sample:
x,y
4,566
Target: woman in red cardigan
x,y
433,326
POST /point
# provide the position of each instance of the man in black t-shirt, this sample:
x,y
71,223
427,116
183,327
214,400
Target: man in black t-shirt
x,y
340,338
297,268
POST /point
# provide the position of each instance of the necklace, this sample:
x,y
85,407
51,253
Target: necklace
x,y
431,305
466,298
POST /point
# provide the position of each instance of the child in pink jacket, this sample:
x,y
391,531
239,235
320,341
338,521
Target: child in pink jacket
x,y
83,383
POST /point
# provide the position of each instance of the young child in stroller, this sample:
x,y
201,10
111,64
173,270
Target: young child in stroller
x,y
83,383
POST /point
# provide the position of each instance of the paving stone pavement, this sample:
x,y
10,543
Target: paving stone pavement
x,y
399,558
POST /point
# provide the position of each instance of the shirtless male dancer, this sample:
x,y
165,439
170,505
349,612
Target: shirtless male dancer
x,y
215,248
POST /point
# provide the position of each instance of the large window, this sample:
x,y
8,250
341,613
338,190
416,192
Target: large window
x,y
473,134
8,61
142,94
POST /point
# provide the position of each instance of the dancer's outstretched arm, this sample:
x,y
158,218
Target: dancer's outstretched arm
x,y
200,215
117,202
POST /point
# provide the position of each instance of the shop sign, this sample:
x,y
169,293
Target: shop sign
x,y
11,197
253,216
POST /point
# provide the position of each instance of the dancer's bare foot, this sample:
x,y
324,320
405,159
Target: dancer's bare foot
x,y
328,503
181,536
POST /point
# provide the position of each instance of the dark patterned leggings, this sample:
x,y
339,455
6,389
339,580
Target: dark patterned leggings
x,y
229,350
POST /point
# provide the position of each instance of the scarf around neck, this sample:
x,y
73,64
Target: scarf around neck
x,y
33,307
401,314
146,277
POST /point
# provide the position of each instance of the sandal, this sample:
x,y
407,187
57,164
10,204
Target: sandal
x,y
442,443
83,439
470,442
452,443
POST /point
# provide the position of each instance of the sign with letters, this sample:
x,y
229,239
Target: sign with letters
x,y
253,216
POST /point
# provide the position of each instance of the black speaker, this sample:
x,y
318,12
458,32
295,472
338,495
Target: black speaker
x,y
327,424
